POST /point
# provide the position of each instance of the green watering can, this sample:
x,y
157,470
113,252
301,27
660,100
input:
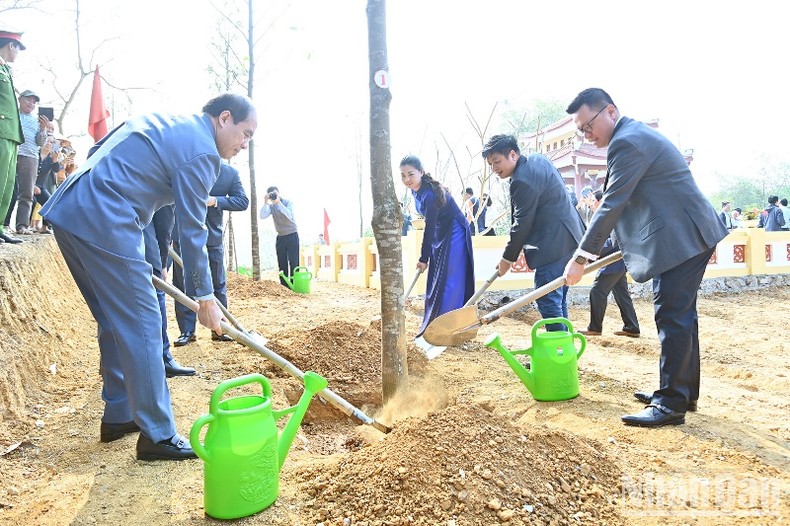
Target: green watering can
x,y
300,281
242,453
553,374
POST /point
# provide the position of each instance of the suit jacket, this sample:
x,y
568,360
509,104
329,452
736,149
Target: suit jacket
x,y
660,216
230,196
543,216
144,164
726,220
158,235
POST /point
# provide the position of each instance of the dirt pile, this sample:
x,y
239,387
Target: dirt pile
x,y
467,466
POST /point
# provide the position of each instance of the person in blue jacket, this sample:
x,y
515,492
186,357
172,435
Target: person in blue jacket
x,y
98,215
226,194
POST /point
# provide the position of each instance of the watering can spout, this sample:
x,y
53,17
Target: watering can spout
x,y
524,374
313,383
288,280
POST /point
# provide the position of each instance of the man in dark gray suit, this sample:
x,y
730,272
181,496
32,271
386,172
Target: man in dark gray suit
x,y
98,215
226,194
667,231
542,216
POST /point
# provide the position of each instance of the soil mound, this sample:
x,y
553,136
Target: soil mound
x,y
466,466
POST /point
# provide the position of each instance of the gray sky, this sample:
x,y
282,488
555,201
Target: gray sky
x,y
708,71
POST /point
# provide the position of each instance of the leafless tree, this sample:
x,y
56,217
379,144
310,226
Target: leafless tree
x,y
235,37
387,217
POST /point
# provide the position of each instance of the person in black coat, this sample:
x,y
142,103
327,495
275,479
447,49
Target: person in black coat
x,y
226,194
542,216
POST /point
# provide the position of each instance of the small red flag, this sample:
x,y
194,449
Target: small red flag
x,y
326,227
97,120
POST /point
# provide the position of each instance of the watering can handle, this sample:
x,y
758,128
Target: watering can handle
x,y
579,336
238,382
194,437
546,321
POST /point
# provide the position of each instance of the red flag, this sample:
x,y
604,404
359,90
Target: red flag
x,y
97,121
326,227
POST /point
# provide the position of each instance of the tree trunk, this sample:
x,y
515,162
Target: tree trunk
x,y
256,255
387,217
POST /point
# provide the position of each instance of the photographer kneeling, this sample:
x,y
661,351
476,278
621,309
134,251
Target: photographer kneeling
x,y
287,244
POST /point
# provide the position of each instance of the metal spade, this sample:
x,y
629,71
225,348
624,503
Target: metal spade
x,y
462,324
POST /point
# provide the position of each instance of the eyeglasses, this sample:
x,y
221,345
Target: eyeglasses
x,y
587,127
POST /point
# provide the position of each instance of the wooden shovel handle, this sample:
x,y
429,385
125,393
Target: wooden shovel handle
x,y
545,289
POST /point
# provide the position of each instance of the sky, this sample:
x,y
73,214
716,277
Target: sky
x,y
711,73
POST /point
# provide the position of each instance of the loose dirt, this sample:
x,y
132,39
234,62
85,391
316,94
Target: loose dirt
x,y
469,445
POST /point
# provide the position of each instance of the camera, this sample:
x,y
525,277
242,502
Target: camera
x,y
272,195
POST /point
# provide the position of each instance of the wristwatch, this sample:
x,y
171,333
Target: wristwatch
x,y
581,260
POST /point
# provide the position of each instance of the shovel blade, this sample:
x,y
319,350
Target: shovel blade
x,y
453,327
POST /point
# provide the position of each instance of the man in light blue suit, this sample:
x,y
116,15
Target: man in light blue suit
x,y
98,215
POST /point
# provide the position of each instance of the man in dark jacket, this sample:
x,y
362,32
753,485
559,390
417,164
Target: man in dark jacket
x,y
226,194
667,231
542,216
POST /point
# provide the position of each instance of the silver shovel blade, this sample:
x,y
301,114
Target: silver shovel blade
x,y
453,327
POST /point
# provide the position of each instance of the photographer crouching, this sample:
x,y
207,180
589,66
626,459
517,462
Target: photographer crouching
x,y
287,245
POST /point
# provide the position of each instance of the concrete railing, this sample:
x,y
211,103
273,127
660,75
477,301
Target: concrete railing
x,y
744,252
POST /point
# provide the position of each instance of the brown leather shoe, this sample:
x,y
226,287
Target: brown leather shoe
x,y
590,333
627,333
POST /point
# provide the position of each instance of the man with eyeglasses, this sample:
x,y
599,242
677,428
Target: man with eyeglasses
x,y
11,135
667,231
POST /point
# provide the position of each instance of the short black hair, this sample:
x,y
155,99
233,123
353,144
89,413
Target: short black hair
x,y
773,199
272,189
502,144
783,201
724,203
598,195
239,106
595,98
469,190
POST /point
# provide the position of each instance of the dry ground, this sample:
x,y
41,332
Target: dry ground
x,y
469,445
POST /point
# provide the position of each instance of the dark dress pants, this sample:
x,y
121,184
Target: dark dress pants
x,y
617,284
675,305
287,248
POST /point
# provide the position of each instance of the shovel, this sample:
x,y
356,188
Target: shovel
x,y
225,312
432,351
242,337
462,324
413,283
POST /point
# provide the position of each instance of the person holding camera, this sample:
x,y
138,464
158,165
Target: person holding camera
x,y
287,244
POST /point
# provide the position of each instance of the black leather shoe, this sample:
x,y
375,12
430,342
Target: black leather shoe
x,y
653,416
185,339
173,368
9,239
111,432
217,338
173,448
646,398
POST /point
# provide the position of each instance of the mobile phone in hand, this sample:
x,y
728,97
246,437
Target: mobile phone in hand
x,y
47,111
